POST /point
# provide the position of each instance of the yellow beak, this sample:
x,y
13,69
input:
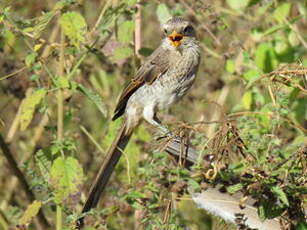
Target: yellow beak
x,y
175,38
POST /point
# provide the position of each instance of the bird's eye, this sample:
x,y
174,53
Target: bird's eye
x,y
187,29
165,31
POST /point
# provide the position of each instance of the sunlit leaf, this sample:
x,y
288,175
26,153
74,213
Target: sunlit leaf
x,y
238,4
30,212
62,82
74,27
265,57
125,32
94,97
66,178
251,75
163,13
37,46
282,12
28,107
247,100
230,66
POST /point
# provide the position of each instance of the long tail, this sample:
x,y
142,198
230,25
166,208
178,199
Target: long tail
x,y
106,170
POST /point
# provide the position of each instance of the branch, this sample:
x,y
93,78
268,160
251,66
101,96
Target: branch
x,y
18,173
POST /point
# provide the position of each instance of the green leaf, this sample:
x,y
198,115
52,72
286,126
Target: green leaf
x,y
66,178
43,160
281,46
261,212
293,38
74,27
28,107
282,12
94,97
34,77
230,66
62,82
145,51
268,210
251,75
301,226
234,188
30,212
30,59
238,4
125,32
280,194
131,2
194,185
163,13
265,57
9,38
121,53
247,100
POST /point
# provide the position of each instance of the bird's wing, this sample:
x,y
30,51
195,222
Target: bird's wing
x,y
154,66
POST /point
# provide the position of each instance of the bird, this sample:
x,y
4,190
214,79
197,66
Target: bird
x,y
163,79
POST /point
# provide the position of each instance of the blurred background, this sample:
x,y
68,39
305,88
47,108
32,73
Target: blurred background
x,y
252,71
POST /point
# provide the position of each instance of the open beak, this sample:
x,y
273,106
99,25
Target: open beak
x,y
175,38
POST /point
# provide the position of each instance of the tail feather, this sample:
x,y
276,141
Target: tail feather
x,y
227,207
104,174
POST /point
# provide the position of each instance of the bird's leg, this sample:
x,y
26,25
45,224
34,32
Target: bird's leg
x,y
150,116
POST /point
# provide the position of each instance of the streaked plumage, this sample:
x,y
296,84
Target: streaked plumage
x,y
163,78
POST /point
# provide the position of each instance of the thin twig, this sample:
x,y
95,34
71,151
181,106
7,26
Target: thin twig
x,y
12,74
104,8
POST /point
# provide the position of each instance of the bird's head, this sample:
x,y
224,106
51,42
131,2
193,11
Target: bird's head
x,y
178,31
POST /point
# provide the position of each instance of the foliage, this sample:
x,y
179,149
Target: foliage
x,y
246,114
